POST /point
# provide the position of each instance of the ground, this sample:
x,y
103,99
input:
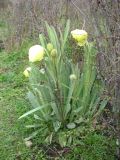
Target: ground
x,y
13,104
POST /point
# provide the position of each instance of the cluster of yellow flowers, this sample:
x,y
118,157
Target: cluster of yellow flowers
x,y
36,52
80,36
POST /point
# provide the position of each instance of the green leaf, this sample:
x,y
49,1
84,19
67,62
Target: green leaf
x,y
69,140
66,32
56,39
42,40
49,138
37,117
80,120
56,111
68,106
71,125
33,100
32,111
62,139
33,126
56,125
102,106
93,106
32,135
51,35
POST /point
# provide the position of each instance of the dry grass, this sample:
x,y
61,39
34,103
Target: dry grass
x,y
106,22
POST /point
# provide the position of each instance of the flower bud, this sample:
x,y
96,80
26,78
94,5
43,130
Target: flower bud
x,y
27,72
49,47
73,77
42,70
28,143
80,36
54,53
36,53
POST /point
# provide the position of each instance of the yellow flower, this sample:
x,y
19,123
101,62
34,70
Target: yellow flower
x,y
36,53
27,72
80,36
49,47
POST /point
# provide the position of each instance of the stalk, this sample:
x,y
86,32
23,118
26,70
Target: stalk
x,y
57,92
